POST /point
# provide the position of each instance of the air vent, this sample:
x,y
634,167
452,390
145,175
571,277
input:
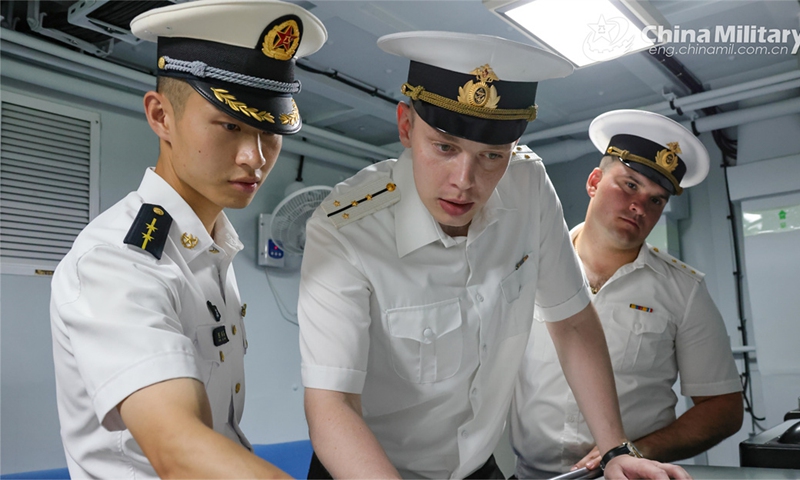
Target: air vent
x,y
111,18
48,172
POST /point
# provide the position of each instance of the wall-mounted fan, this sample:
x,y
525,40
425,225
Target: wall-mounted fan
x,y
288,224
284,230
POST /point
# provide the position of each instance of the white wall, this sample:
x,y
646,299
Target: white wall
x,y
274,409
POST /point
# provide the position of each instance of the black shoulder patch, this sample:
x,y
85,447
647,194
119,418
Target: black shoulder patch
x,y
150,229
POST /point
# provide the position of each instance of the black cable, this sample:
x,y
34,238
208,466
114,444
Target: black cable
x,y
729,149
747,385
300,167
357,84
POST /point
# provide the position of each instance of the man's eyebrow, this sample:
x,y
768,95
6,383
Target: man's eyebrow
x,y
637,181
631,177
446,136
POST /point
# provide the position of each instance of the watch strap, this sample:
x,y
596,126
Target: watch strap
x,y
627,448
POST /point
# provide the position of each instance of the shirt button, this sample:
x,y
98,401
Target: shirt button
x,y
479,297
464,434
428,334
484,347
238,387
474,391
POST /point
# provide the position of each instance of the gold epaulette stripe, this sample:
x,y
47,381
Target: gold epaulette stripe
x,y
523,153
357,202
389,188
677,264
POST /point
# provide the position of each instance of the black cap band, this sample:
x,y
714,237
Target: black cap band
x,y
656,162
513,104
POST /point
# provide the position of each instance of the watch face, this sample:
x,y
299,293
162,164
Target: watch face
x,y
627,448
633,450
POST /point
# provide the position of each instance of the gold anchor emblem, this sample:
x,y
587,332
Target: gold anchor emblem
x,y
669,158
480,94
188,240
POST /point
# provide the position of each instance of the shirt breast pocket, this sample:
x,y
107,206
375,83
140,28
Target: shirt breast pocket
x,y
637,338
426,341
515,282
519,292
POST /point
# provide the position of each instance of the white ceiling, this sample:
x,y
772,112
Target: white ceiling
x,y
628,82
631,81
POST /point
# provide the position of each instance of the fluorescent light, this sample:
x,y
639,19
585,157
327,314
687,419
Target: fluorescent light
x,y
583,31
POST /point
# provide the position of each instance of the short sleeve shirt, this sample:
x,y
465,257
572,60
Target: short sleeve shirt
x,y
427,328
659,320
122,320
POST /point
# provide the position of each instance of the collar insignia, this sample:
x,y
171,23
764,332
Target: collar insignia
x,y
188,240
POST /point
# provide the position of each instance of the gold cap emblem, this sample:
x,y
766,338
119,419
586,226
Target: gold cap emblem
x,y
480,94
668,158
282,40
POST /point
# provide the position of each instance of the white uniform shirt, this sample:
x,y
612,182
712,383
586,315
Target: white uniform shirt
x,y
658,320
431,329
122,320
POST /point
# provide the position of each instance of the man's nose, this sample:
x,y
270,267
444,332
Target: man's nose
x,y
250,152
463,174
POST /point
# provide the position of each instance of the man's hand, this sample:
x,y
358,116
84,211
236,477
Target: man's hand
x,y
628,467
590,461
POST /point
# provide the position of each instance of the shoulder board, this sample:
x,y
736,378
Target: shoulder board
x,y
150,229
523,153
677,264
360,201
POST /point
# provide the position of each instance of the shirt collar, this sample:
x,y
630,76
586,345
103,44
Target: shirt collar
x,y
187,229
645,257
414,225
489,214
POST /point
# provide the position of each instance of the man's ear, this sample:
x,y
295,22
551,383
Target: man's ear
x,y
592,181
160,114
405,123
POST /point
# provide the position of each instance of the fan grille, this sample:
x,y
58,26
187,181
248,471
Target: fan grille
x,y
288,227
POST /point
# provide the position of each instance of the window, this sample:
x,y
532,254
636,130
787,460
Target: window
x,y
48,181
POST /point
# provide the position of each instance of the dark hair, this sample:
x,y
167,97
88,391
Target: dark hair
x,y
176,91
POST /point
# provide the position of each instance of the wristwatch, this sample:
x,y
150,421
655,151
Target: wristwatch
x,y
627,448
